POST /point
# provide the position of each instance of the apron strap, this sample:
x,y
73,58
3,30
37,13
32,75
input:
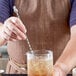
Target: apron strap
x,y
19,68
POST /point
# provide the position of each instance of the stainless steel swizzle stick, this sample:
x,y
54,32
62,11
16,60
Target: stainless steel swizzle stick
x,y
17,13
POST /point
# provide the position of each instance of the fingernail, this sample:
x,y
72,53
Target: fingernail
x,y
25,37
14,40
25,31
20,38
13,20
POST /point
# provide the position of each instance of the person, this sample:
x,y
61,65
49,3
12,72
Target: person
x,y
49,24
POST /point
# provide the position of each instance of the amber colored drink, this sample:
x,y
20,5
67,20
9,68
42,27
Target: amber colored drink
x,y
40,64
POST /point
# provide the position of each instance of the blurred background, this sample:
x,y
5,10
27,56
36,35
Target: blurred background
x,y
3,58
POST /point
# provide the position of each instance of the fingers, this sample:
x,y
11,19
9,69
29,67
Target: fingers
x,y
19,33
19,24
14,29
7,31
14,37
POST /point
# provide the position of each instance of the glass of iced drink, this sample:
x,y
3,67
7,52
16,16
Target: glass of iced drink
x,y
40,63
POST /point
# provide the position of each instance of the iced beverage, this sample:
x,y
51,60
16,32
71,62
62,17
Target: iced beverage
x,y
40,64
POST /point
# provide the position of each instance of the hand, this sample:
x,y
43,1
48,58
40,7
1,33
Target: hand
x,y
13,29
59,70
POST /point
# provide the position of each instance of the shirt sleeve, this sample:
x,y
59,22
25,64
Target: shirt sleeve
x,y
5,9
73,13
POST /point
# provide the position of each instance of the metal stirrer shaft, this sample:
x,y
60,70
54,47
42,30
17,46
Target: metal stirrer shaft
x,y
16,11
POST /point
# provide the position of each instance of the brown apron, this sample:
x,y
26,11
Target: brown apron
x,y
46,29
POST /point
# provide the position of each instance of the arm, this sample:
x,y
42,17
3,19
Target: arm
x,y
68,58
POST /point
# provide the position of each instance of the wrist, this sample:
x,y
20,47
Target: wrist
x,y
2,40
63,68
